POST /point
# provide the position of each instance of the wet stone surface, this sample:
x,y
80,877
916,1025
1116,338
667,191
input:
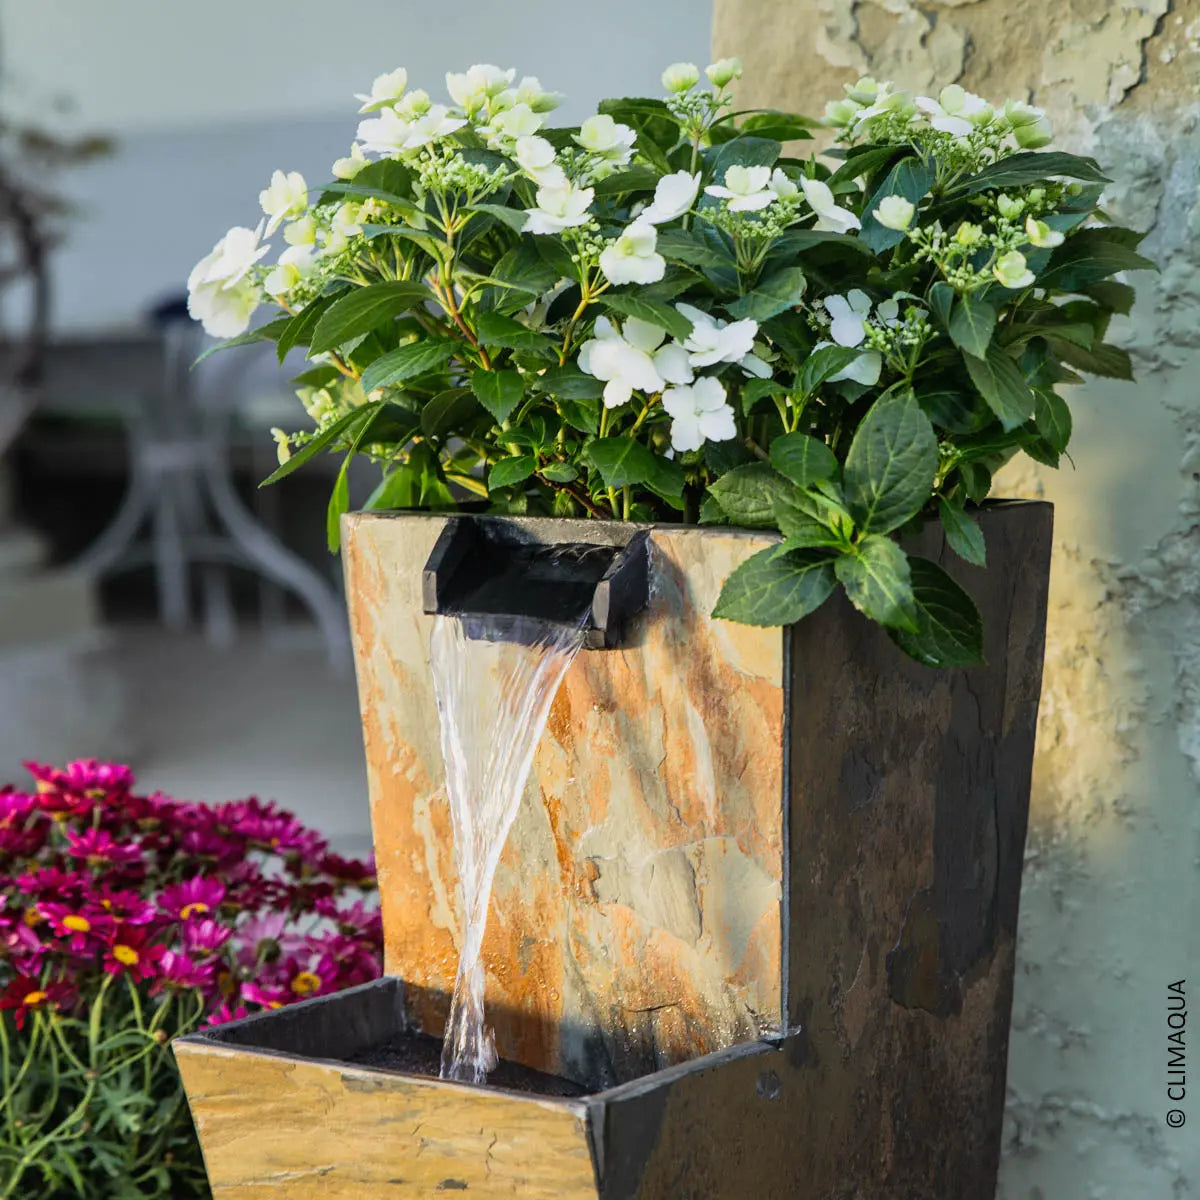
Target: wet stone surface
x,y
419,1054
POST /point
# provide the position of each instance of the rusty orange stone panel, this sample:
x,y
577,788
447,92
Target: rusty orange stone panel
x,y
636,917
275,1128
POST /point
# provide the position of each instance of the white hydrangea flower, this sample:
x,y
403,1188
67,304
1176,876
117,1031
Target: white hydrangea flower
x,y
530,91
558,208
864,369
878,100
1012,271
783,185
715,341
895,212
632,257
286,196
829,215
681,77
724,71
302,232
840,114
347,219
478,84
385,91
415,104
1009,207
699,413
956,111
848,317
1029,125
348,167
673,196
517,122
745,188
295,265
434,124
631,358
219,294
1041,235
601,136
754,364
385,134
535,156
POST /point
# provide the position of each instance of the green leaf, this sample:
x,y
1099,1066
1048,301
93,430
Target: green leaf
x,y
877,581
1107,360
636,179
408,362
781,126
797,241
510,471
448,411
971,324
365,309
264,333
954,411
514,218
941,301
400,203
583,415
1118,297
300,328
339,503
680,246
1089,256
630,304
342,426
747,494
494,329
1031,167
909,178
397,489
560,472
339,500
949,629
822,365
754,390
801,529
864,163
963,534
1053,418
498,391
891,463
776,586
668,479
802,459
742,152
1002,385
771,296
317,377
569,383
621,461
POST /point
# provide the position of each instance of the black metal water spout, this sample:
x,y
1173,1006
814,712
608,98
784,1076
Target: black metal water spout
x,y
488,568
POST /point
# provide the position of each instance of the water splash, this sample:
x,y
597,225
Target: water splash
x,y
493,699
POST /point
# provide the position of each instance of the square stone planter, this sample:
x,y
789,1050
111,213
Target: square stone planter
x,y
759,905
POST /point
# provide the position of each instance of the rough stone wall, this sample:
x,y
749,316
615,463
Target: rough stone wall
x,y
1111,902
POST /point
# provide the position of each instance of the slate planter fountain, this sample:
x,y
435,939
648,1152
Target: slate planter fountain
x,y
752,933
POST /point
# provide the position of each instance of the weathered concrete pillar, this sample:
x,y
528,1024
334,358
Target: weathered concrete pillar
x,y
1112,885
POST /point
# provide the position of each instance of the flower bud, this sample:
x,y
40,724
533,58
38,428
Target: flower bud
x,y
1009,207
724,71
681,77
865,91
895,212
968,235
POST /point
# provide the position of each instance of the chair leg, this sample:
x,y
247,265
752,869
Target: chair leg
x,y
170,561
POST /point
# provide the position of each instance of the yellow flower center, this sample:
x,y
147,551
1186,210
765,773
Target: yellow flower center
x,y
196,908
33,999
32,916
125,954
77,924
305,982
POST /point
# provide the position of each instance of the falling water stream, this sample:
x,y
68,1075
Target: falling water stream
x,y
493,699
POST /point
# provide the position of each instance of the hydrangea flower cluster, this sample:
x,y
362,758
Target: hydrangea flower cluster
x,y
126,920
668,313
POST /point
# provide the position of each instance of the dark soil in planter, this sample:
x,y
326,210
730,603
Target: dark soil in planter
x,y
419,1054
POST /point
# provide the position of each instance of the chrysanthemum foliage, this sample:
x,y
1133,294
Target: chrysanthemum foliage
x,y
666,314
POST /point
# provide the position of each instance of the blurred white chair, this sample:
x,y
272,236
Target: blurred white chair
x,y
182,488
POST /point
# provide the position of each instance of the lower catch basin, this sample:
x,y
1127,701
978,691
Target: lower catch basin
x,y
338,1098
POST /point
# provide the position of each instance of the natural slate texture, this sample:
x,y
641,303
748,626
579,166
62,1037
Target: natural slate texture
x,y
636,918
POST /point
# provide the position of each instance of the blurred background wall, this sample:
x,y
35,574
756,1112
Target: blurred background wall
x,y
1110,910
